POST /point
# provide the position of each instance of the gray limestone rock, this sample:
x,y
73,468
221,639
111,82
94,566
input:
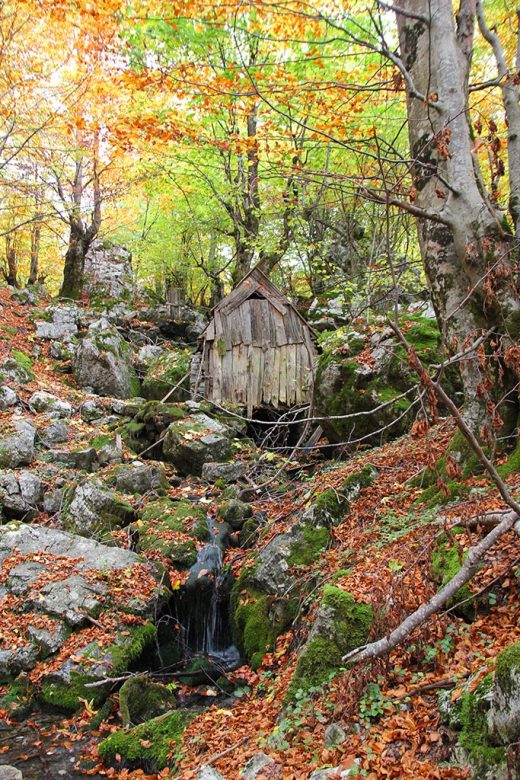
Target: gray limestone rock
x,y
62,350
235,513
8,397
49,639
256,765
208,773
10,773
504,713
49,404
61,323
72,599
103,363
334,735
230,472
17,659
15,370
108,270
95,510
17,447
56,432
196,440
53,501
91,409
141,478
74,459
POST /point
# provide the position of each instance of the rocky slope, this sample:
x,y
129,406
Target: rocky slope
x,y
146,577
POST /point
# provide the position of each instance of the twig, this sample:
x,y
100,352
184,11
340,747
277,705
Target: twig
x,y
226,751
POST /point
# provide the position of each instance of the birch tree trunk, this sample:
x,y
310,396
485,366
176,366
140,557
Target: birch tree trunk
x,y
468,254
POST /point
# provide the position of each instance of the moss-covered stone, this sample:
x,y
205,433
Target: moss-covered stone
x,y
319,661
474,736
258,619
341,625
65,692
150,745
371,389
307,549
248,533
140,700
166,526
446,561
332,505
512,464
165,373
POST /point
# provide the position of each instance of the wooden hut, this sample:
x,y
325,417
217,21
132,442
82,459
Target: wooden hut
x,y
257,351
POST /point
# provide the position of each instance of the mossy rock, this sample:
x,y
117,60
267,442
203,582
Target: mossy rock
x,y
342,624
165,373
148,746
483,756
248,533
307,549
140,700
345,386
162,522
446,562
332,505
65,692
258,619
235,513
504,716
512,464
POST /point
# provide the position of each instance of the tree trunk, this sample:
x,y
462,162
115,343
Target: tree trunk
x,y
72,285
466,253
11,270
35,253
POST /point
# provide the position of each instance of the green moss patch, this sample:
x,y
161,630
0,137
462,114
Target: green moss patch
x,y
474,736
446,561
116,657
151,746
165,373
342,624
307,550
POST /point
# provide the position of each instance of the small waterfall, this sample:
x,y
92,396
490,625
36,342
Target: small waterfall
x,y
202,607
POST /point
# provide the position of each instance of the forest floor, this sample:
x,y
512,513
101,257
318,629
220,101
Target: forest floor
x,y
381,553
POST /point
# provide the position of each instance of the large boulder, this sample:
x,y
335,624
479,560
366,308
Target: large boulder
x,y
17,445
341,625
8,397
58,323
141,478
102,363
92,509
504,713
196,440
366,373
61,581
108,270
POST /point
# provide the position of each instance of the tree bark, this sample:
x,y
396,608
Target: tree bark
x,y
468,255
11,269
72,285
35,253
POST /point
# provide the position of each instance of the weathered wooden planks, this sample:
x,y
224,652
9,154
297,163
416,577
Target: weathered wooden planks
x,y
257,350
